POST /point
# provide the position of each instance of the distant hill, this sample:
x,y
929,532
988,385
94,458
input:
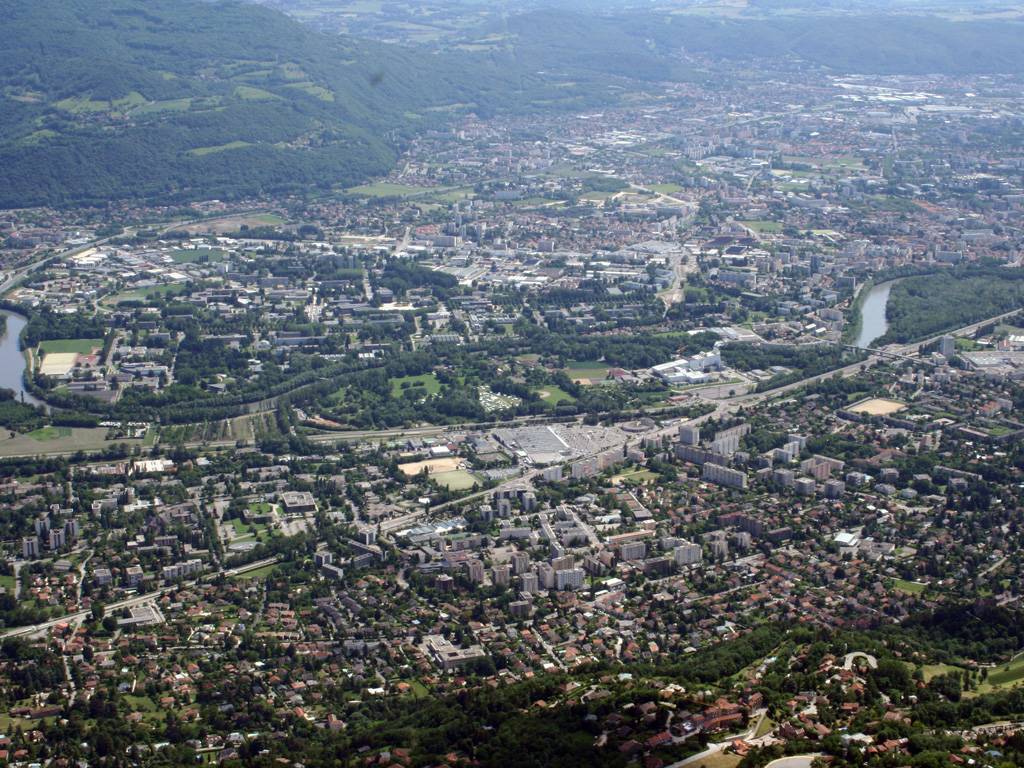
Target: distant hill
x,y
174,99
641,44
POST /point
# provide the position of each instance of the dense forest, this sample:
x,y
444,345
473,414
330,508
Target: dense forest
x,y
926,305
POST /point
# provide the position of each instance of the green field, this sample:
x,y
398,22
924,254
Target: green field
x,y
934,670
319,92
248,93
8,583
268,218
46,434
78,346
197,255
1004,675
587,370
665,189
140,703
58,440
219,148
83,104
720,760
171,105
429,382
908,586
555,395
242,528
763,226
459,480
266,570
385,189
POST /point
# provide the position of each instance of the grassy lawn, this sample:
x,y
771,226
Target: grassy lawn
x,y
719,761
766,725
763,226
248,93
555,395
429,382
934,670
665,189
46,434
459,480
266,570
84,104
218,148
140,703
1004,676
384,189
908,586
8,583
171,105
418,688
587,370
78,346
243,528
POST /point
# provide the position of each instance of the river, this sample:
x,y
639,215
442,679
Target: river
x,y
12,361
872,314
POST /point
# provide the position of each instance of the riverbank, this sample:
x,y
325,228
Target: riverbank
x,y
855,321
13,362
873,315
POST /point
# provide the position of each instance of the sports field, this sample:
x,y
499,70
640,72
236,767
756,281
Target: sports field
x,y
878,406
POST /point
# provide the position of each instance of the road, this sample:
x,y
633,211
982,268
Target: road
x,y
81,577
848,661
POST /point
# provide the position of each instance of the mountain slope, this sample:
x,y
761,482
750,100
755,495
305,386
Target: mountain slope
x,y
644,45
882,44
173,99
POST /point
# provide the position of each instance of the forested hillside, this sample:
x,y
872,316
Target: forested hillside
x,y
646,45
174,99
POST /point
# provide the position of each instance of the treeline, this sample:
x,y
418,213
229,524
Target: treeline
x,y
400,276
924,306
804,362
21,417
985,634
47,325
